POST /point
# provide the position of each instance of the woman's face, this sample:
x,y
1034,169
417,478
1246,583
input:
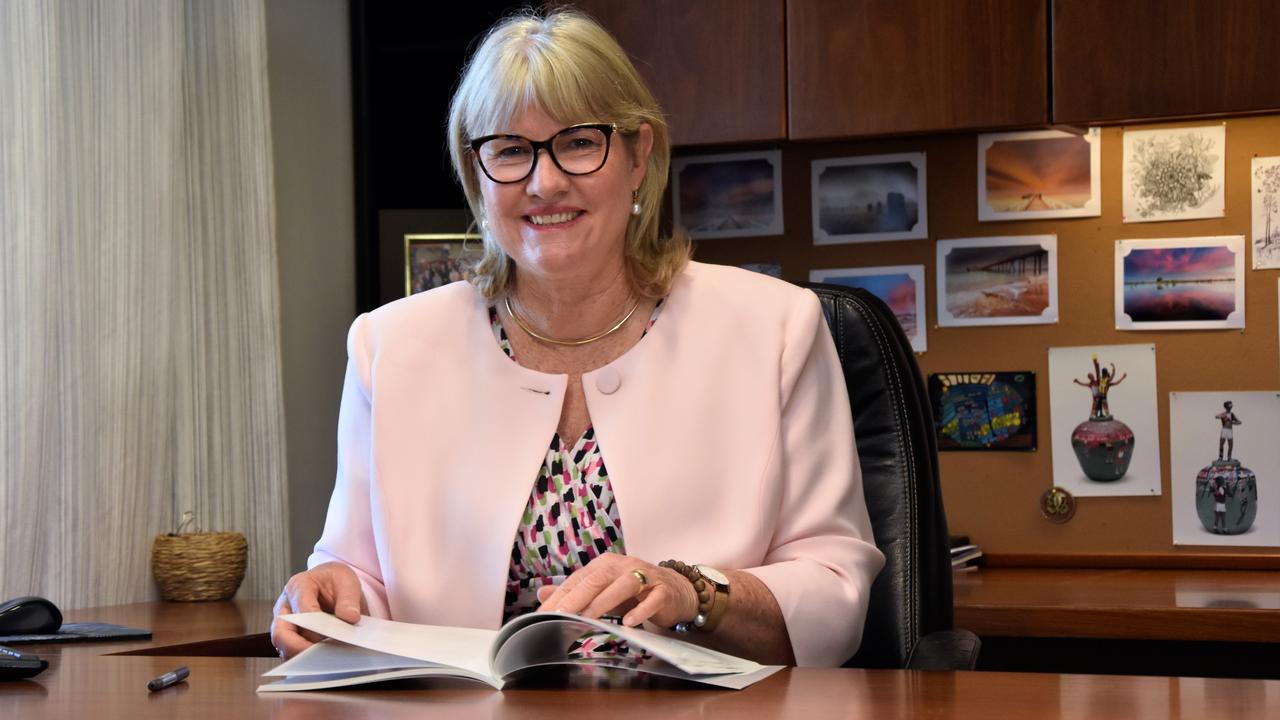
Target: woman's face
x,y
560,226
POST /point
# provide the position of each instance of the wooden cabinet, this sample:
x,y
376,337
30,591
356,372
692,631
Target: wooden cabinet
x,y
716,66
1130,59
873,67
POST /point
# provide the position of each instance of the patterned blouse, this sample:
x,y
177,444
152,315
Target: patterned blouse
x,y
571,518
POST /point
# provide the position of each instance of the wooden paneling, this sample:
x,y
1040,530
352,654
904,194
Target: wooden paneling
x,y
715,66
1130,59
874,67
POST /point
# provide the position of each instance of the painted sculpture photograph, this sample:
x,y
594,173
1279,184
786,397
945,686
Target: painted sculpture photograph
x,y
1104,420
1223,450
1225,481
1103,445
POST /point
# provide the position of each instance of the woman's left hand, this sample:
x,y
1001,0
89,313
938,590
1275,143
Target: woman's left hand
x,y
609,585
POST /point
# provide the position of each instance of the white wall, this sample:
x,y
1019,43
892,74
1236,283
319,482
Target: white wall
x,y
309,57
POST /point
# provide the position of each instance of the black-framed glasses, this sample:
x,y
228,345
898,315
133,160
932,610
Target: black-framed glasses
x,y
576,150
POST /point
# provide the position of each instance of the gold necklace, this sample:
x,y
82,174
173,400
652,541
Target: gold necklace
x,y
556,341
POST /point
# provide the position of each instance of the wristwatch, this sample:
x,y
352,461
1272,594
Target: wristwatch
x,y
709,618
712,588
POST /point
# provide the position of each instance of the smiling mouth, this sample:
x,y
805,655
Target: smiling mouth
x,y
554,219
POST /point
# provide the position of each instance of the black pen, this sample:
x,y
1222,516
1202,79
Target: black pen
x,y
169,679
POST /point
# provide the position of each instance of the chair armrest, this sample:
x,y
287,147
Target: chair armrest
x,y
946,650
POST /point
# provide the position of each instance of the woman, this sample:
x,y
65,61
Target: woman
x,y
592,403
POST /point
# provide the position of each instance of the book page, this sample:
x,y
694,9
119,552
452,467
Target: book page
x,y
687,657
545,643
463,648
349,679
332,656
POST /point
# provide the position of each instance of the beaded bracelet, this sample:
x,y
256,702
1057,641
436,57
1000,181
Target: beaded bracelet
x,y
700,586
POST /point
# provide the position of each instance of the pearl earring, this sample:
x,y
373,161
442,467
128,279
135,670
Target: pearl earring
x,y
484,225
635,202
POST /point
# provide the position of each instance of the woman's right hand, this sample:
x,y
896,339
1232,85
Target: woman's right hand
x,y
331,587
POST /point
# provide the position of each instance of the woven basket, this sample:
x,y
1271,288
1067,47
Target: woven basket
x,y
199,566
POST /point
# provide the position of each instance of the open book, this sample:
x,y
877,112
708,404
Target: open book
x,y
373,650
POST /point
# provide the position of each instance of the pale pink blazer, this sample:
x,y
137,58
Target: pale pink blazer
x,y
726,431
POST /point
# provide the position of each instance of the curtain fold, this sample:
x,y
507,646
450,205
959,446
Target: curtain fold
x,y
139,309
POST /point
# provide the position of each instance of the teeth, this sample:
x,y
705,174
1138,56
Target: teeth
x,y
552,219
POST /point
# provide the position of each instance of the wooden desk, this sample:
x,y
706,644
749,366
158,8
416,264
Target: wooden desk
x,y
1208,623
106,687
1200,605
84,682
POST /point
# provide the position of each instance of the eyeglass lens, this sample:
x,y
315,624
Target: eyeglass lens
x,y
576,150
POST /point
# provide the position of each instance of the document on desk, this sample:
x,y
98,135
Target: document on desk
x,y
374,650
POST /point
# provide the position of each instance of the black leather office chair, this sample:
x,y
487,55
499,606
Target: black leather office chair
x,y
909,622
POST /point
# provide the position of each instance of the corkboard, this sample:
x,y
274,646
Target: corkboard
x,y
993,497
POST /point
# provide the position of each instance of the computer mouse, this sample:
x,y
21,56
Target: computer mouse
x,y
29,615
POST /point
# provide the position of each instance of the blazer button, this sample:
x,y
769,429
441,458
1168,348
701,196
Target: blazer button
x,y
608,381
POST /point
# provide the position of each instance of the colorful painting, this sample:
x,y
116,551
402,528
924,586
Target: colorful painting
x,y
1265,178
1224,460
729,195
1180,283
1039,174
984,410
901,287
1175,174
870,199
998,280
1102,411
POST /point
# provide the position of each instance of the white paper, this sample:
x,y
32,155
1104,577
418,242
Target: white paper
x,y
1132,401
464,648
1264,178
1175,173
1194,433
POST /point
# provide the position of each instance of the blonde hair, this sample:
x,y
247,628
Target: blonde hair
x,y
569,67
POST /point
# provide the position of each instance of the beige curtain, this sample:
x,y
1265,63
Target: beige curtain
x,y
138,294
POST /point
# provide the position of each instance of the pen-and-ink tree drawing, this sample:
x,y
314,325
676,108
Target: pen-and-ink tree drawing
x,y
1173,173
1266,213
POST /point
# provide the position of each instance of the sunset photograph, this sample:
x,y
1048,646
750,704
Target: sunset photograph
x,y
1038,175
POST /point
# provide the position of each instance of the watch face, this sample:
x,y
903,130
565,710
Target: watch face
x,y
713,575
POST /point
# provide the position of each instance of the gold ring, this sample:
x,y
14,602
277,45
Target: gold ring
x,y
640,576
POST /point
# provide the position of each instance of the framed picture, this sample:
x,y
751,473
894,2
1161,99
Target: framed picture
x,y
1180,283
870,199
770,269
729,195
1103,420
1039,174
1221,447
998,281
1265,180
984,410
1176,174
901,287
432,260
